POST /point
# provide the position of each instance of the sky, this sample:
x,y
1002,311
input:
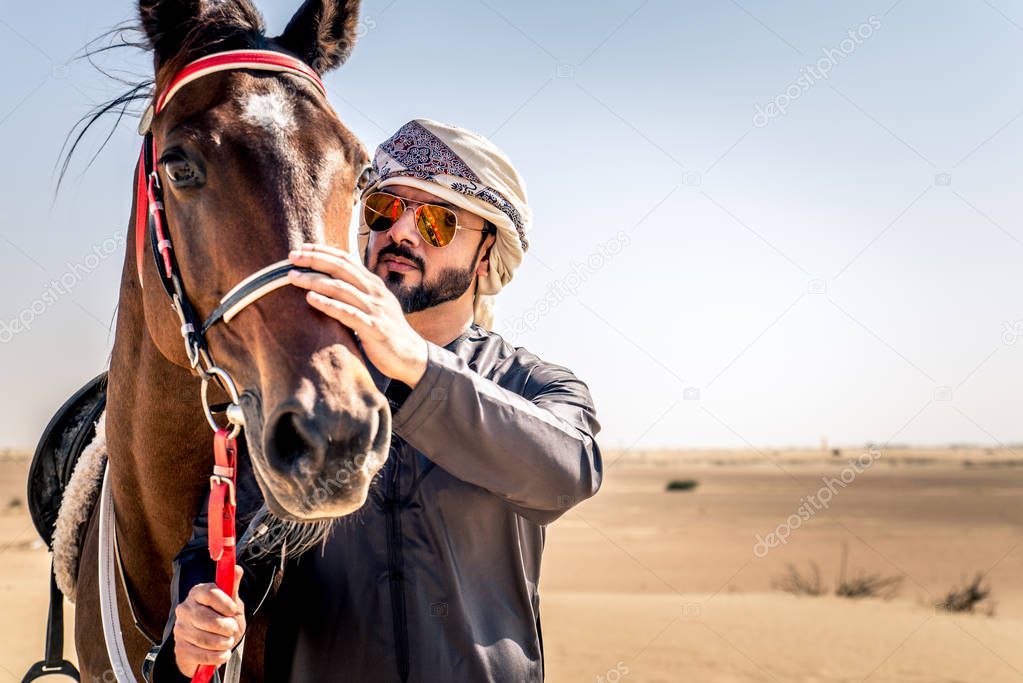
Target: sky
x,y
756,223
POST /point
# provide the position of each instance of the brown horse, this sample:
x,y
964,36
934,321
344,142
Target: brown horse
x,y
252,164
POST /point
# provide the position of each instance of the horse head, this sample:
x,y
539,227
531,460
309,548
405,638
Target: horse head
x,y
252,164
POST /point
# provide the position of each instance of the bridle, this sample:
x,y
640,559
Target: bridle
x,y
151,218
151,222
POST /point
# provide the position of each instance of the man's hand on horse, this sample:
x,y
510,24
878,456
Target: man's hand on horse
x,y
359,299
207,626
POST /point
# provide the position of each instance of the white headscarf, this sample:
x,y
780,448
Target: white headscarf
x,y
469,171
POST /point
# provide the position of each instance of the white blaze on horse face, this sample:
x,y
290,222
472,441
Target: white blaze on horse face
x,y
271,111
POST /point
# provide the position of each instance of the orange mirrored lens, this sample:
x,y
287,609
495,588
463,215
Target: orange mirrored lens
x,y
381,210
437,224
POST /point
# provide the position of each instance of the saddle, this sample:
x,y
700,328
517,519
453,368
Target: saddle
x,y
70,430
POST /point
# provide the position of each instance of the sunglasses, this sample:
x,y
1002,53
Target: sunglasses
x,y
437,224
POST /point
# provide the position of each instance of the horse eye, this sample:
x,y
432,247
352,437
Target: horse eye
x,y
367,176
180,171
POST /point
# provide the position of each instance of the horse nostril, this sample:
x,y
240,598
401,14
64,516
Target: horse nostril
x,y
382,437
291,446
303,446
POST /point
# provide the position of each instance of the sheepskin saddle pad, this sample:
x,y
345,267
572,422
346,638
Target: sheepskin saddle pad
x,y
65,476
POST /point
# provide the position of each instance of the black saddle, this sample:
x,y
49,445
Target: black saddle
x,y
65,437
63,440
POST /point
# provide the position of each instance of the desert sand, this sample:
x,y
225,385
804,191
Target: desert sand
x,y
645,584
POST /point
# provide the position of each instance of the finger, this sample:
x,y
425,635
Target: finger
x,y
238,602
349,254
340,258
337,266
346,314
325,248
205,619
214,642
188,655
306,280
217,600
328,262
329,287
187,667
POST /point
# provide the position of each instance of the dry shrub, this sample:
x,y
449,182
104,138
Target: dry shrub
x,y
863,585
967,597
798,584
869,586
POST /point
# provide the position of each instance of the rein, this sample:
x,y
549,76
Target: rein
x,y
151,222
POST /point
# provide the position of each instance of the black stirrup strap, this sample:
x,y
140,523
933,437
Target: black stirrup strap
x,y
53,663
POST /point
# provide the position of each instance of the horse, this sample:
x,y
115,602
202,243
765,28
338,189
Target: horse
x,y
251,163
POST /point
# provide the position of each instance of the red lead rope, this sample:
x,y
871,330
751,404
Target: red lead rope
x,y
221,522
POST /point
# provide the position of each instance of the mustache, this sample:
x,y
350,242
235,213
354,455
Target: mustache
x,y
400,251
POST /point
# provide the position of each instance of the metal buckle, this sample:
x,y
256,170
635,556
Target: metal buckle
x,y
232,390
217,479
147,120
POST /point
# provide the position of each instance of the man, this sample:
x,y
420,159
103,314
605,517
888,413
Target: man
x,y
435,578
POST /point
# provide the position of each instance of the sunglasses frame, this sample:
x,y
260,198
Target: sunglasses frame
x,y
488,227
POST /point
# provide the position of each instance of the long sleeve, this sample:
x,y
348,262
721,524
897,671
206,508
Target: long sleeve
x,y
536,450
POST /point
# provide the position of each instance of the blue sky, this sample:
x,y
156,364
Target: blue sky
x,y
846,268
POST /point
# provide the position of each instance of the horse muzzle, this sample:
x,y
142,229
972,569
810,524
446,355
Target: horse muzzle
x,y
319,463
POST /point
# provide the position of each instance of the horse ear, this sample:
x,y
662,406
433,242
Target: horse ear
x,y
167,23
322,32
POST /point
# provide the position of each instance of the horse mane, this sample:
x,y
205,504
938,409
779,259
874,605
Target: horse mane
x,y
224,26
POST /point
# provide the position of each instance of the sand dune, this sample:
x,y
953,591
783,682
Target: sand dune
x,y
774,637
641,584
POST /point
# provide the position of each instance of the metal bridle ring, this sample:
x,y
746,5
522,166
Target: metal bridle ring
x,y
229,385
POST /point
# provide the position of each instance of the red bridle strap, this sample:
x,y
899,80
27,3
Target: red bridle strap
x,y
141,213
258,60
221,516
232,60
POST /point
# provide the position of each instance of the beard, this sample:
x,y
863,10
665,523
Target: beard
x,y
449,284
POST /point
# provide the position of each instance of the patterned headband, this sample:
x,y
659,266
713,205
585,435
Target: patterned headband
x,y
416,152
